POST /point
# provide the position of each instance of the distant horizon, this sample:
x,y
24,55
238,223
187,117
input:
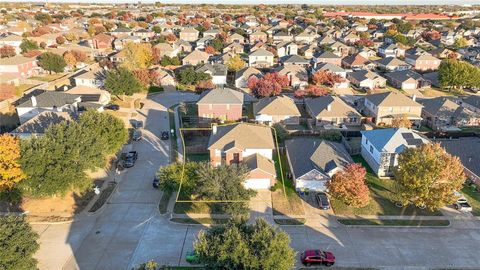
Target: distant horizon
x,y
269,2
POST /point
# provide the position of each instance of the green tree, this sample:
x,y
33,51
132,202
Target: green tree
x,y
427,176
18,244
241,246
189,76
460,42
122,81
52,62
235,63
217,44
457,74
171,175
28,45
45,18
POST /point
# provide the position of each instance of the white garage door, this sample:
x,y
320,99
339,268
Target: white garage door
x,y
409,86
257,183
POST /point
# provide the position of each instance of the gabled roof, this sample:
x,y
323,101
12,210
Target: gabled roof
x,y
328,54
277,105
355,60
51,99
338,108
306,154
39,123
242,136
221,96
295,59
444,107
404,75
247,72
259,162
261,52
197,55
361,75
473,101
391,61
391,99
394,140
214,69
329,67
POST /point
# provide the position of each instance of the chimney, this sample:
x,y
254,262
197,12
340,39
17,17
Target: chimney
x,y
414,97
329,107
34,101
214,129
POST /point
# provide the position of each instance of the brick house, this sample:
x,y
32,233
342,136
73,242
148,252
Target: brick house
x,y
258,36
248,144
384,107
189,34
443,114
423,62
18,66
224,104
276,109
102,41
333,112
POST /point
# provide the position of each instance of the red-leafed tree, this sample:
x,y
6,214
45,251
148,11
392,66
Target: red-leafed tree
x,y
204,85
79,55
268,85
171,37
364,42
431,35
60,40
7,51
6,91
32,53
210,50
143,76
323,77
311,91
349,186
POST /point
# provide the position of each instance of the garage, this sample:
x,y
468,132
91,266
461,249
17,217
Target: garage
x,y
257,183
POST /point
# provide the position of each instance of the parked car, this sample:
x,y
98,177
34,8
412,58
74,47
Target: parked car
x,y
129,159
156,182
310,257
164,135
136,135
322,200
136,124
462,205
112,107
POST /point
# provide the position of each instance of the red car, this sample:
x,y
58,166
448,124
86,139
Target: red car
x,y
310,257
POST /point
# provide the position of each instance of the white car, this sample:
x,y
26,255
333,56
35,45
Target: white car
x,y
462,205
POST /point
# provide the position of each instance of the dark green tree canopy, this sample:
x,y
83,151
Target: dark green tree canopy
x,y
121,81
241,246
52,62
28,45
18,244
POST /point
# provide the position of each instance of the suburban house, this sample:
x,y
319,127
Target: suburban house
x,y
282,36
384,107
314,161
91,97
366,79
37,125
258,36
19,66
101,41
297,75
286,48
424,62
406,80
233,144
444,114
472,103
165,78
195,57
189,34
165,49
276,109
327,57
89,77
12,40
467,149
381,147
332,112
260,58
32,105
235,38
392,64
242,76
295,60
217,71
391,50
356,62
221,103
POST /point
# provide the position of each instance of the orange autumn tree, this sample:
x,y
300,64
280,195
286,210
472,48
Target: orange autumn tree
x,y
349,186
401,122
10,170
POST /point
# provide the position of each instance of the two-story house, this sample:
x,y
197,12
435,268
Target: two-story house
x,y
248,144
189,34
277,109
260,58
217,71
332,112
424,62
220,103
19,66
381,147
385,107
443,114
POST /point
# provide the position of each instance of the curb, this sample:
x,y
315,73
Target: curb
x,y
99,210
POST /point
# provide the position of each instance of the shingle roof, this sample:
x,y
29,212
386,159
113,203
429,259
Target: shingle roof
x,y
391,99
319,107
215,69
248,71
404,75
467,149
39,123
306,154
295,59
443,107
330,67
473,101
242,136
221,96
261,52
257,161
393,140
277,105
51,99
391,61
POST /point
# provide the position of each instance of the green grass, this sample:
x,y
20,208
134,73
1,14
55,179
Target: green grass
x,y
192,207
475,129
47,77
382,197
163,205
337,268
173,138
424,129
198,157
395,222
291,204
154,89
200,220
473,198
22,88
248,111
295,221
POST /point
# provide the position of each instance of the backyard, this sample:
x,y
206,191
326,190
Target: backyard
x,y
382,198
473,198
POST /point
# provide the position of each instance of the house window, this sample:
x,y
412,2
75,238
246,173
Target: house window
x,y
390,109
218,152
228,106
371,149
353,120
210,106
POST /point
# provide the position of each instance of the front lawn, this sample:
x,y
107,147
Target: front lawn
x,y
288,202
154,89
473,198
47,77
381,199
198,157
214,221
395,222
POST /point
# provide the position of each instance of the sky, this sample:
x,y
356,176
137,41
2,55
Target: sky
x,y
322,2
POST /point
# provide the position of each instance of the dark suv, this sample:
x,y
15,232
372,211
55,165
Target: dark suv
x,y
322,200
129,159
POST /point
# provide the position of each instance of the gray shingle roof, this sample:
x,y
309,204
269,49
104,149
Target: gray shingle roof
x,y
221,96
393,140
306,154
214,69
467,149
50,99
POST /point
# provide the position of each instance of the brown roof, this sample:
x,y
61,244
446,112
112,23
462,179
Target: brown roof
x,y
257,161
391,99
278,105
242,136
338,108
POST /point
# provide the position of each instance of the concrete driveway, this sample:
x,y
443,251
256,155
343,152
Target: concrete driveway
x,y
129,230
